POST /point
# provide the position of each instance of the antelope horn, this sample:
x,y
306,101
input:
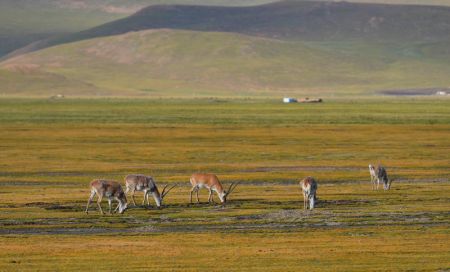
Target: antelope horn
x,y
164,192
231,189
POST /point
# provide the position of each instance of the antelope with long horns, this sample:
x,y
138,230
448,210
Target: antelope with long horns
x,y
212,183
147,185
111,190
309,188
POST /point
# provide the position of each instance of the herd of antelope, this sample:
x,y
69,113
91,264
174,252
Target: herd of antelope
x,y
112,190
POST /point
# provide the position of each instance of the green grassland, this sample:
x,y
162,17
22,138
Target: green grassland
x,y
162,63
51,149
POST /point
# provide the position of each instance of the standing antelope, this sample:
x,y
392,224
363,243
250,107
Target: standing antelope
x,y
212,183
373,176
309,188
111,190
378,175
147,185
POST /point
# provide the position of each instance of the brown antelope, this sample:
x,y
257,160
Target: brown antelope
x,y
309,188
378,175
147,185
212,183
111,190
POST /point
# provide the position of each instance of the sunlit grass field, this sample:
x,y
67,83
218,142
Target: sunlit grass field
x,y
51,149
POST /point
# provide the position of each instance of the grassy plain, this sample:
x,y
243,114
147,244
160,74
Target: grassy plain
x,y
51,149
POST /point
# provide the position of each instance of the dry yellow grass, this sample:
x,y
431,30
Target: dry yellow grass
x,y
371,249
50,150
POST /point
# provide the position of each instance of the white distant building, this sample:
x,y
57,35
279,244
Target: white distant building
x,y
289,100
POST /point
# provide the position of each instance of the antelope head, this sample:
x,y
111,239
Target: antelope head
x,y
223,196
123,203
387,186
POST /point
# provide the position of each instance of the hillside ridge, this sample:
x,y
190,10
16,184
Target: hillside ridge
x,y
167,62
286,20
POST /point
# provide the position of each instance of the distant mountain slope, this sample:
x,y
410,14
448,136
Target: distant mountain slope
x,y
283,48
189,63
292,20
287,20
26,21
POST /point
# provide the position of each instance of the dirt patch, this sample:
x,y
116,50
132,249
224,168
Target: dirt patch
x,y
61,207
54,206
282,220
36,204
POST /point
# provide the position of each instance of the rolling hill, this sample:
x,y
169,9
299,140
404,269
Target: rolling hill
x,y
286,20
292,20
24,21
289,47
192,63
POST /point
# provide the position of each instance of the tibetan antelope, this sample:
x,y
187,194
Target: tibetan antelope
x,y
111,190
373,176
212,183
309,188
147,185
378,175
383,177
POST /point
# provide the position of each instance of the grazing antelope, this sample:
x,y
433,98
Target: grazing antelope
x,y
309,188
147,185
373,176
212,183
111,190
383,177
378,175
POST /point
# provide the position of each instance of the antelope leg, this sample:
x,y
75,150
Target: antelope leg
x,y
99,200
91,197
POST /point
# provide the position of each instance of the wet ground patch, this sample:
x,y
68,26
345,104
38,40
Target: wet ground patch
x,y
276,210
